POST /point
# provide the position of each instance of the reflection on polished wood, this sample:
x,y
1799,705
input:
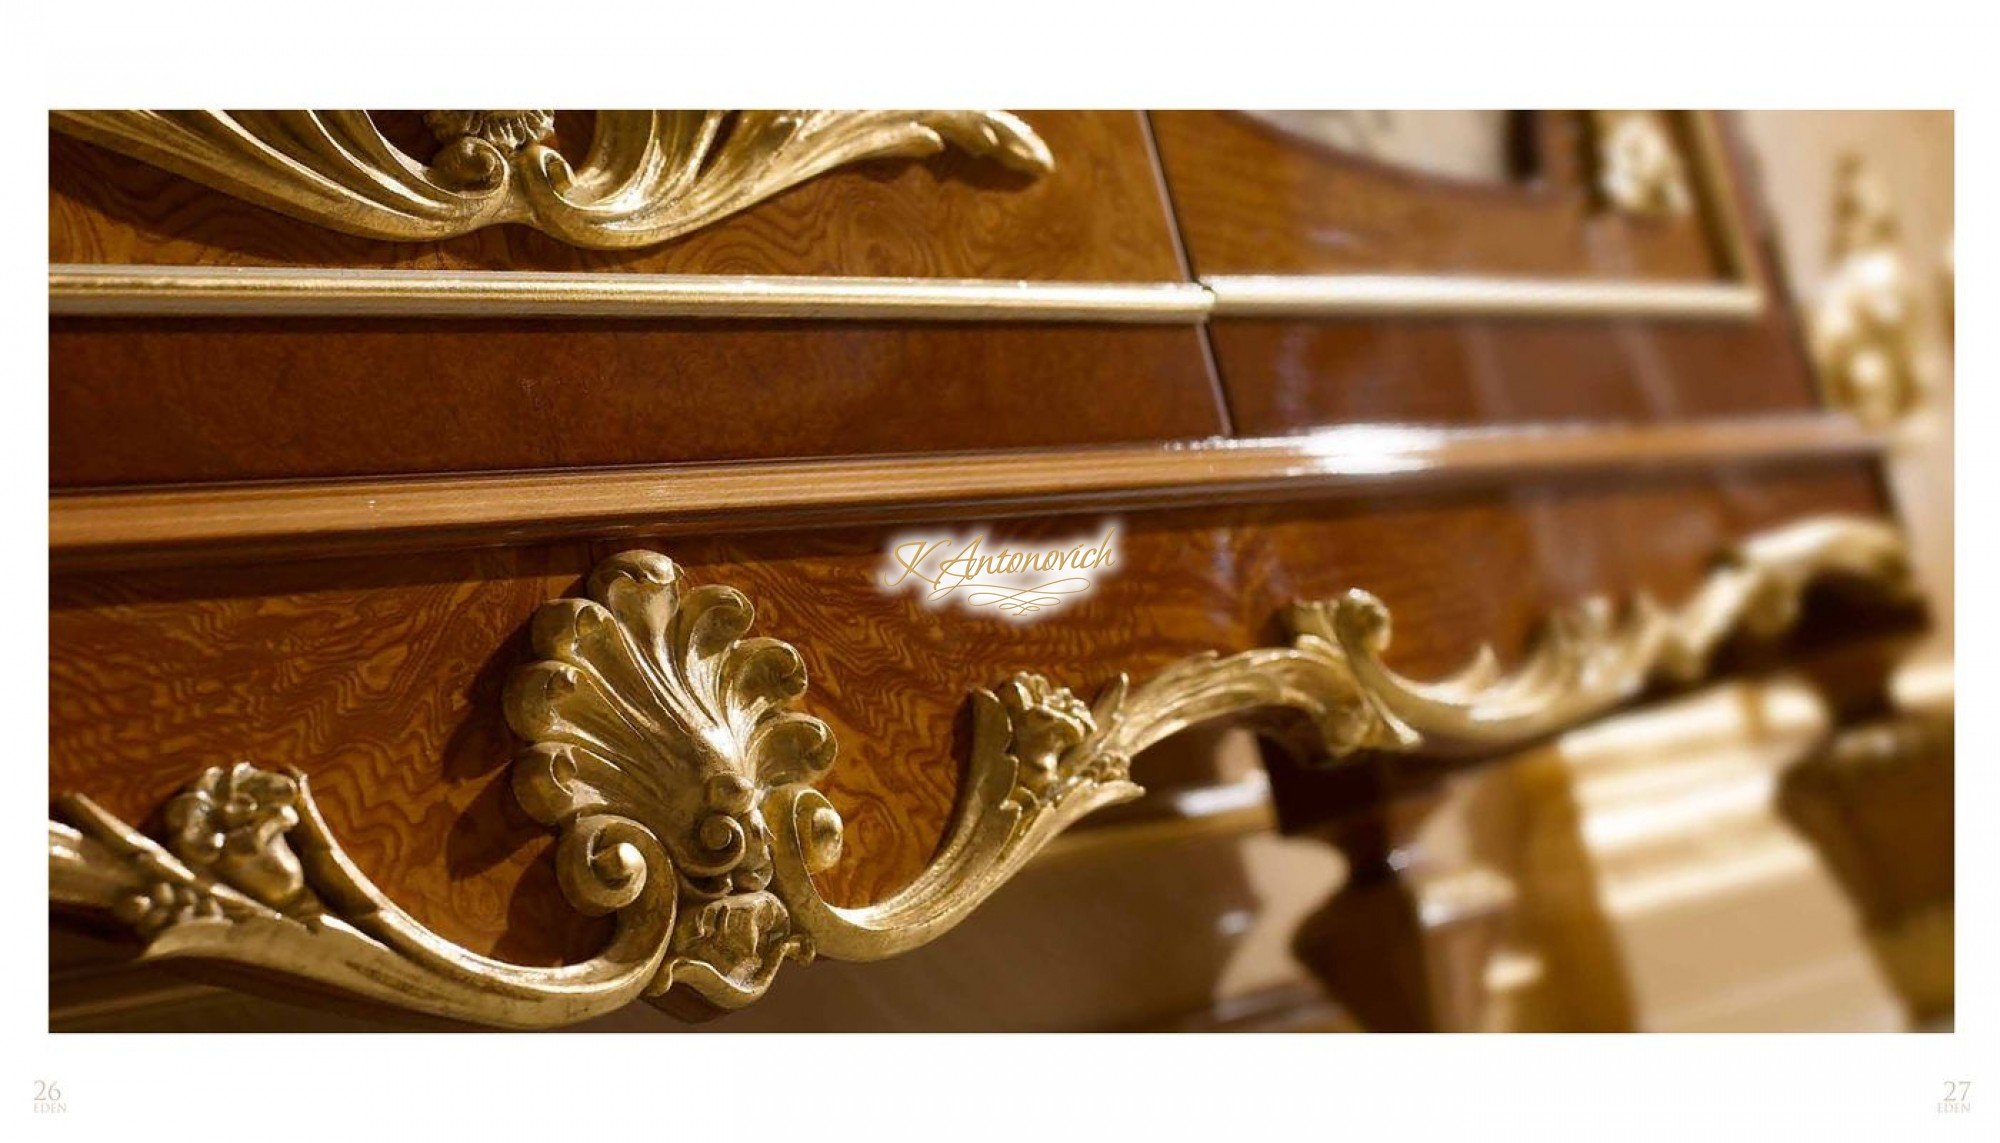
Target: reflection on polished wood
x,y
1252,200
662,747
186,401
174,525
1347,292
1470,145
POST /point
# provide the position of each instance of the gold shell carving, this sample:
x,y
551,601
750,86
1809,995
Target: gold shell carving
x,y
648,176
663,747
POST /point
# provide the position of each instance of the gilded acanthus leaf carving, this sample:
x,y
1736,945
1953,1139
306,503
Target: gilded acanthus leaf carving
x,y
1595,657
648,175
663,747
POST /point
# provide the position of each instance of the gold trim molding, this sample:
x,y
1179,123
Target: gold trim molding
x,y
1640,171
111,290
653,175
119,291
664,749
648,176
1412,295
77,290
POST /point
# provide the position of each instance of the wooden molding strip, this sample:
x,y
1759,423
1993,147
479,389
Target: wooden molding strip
x,y
316,518
215,291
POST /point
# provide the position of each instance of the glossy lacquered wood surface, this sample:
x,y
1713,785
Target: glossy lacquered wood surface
x,y
1098,216
315,519
1294,376
1252,200
154,401
144,401
382,679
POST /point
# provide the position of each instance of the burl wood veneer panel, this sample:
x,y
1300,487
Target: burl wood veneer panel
x,y
382,679
153,401
1254,200
1099,216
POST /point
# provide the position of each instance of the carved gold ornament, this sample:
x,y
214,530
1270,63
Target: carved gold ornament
x,y
1864,329
663,747
1639,168
648,175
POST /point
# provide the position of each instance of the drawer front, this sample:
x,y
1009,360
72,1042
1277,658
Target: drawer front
x,y
390,684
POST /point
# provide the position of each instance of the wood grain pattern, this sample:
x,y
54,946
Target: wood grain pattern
x,y
380,679
1098,216
134,402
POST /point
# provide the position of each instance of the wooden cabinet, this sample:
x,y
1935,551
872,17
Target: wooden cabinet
x,y
350,509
